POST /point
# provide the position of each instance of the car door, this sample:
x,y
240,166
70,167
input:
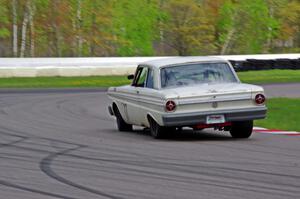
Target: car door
x,y
146,96
133,106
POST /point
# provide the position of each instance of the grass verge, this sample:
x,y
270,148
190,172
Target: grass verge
x,y
252,77
283,114
270,76
63,82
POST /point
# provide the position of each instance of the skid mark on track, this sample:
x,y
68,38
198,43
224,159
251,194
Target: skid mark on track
x,y
23,188
12,144
45,166
45,163
182,173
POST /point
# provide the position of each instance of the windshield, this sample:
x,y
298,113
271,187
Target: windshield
x,y
182,75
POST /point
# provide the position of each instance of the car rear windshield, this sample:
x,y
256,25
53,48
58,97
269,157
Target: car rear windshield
x,y
201,73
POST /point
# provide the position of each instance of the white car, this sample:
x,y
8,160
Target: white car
x,y
197,92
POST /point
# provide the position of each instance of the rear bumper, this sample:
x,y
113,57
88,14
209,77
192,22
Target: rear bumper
x,y
190,119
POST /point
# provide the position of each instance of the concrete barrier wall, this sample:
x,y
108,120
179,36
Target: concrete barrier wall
x,y
41,67
64,71
67,67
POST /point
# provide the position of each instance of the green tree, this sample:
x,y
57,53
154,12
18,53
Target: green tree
x,y
4,27
4,20
254,24
188,30
226,25
289,16
135,26
55,28
97,28
147,27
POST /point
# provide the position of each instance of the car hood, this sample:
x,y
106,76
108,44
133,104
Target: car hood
x,y
210,89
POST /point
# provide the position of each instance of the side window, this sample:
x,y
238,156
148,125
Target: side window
x,y
141,77
149,83
136,76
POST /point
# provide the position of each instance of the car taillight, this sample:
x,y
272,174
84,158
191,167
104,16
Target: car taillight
x,y
260,99
170,106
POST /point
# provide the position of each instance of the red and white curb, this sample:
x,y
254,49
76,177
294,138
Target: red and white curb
x,y
273,131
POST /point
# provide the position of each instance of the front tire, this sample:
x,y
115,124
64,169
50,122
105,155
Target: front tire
x,y
242,129
121,124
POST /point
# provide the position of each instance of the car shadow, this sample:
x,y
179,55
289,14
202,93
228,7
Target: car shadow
x,y
190,135
187,135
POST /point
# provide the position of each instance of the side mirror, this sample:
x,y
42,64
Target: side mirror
x,y
130,77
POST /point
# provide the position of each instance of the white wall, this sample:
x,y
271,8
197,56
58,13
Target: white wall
x,y
37,67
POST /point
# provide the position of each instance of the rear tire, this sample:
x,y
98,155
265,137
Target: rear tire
x,y
156,130
121,124
242,129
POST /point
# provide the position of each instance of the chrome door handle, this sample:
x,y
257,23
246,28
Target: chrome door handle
x,y
138,92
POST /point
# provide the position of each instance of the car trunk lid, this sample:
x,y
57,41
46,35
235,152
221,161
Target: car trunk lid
x,y
204,90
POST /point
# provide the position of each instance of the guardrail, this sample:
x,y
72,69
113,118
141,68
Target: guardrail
x,y
38,67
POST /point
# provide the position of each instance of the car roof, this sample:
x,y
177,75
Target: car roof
x,y
181,60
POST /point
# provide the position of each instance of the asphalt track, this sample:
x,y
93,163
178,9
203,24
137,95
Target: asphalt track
x,y
63,144
291,90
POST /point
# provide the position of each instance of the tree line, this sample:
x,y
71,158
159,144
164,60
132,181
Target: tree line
x,y
81,28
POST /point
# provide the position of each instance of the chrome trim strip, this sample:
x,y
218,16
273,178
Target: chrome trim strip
x,y
137,98
197,101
